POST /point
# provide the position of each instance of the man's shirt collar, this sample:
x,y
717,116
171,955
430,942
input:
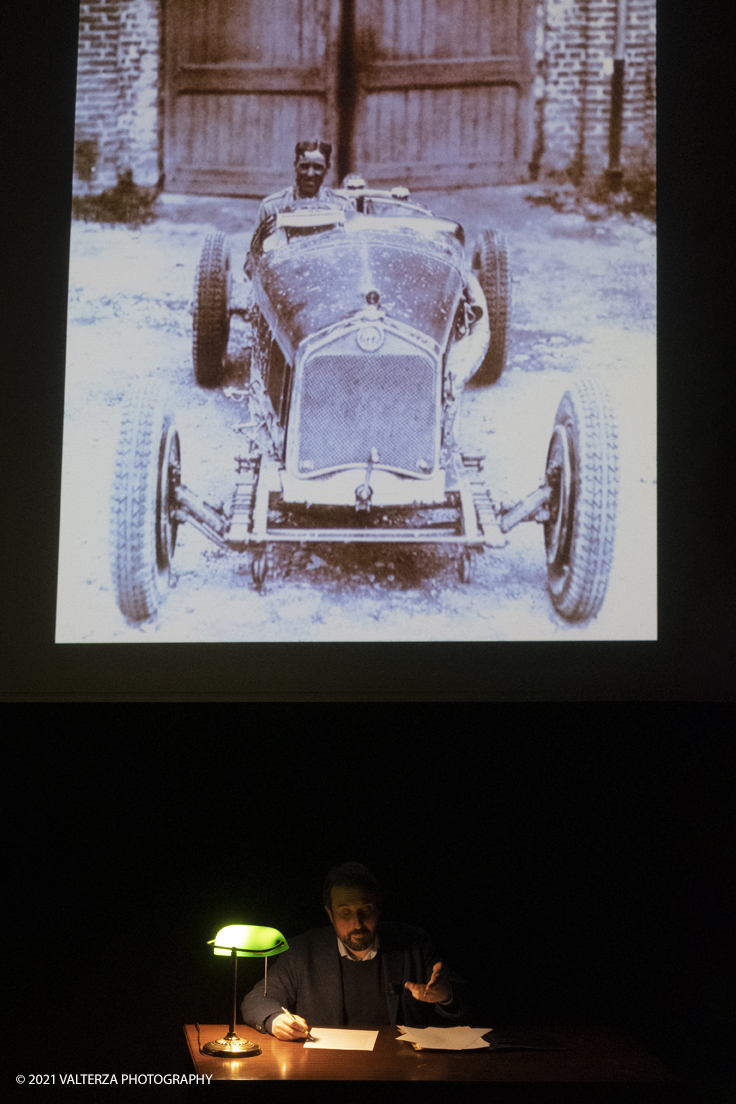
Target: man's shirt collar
x,y
307,199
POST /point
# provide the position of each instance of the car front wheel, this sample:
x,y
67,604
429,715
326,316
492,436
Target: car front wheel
x,y
143,515
582,470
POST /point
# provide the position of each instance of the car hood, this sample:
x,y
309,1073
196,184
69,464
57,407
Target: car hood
x,y
309,284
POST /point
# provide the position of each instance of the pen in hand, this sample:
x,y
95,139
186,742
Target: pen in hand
x,y
309,1035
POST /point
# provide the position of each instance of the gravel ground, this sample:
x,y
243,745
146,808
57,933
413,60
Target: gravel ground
x,y
583,301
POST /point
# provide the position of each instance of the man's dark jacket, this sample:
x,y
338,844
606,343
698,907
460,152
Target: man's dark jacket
x,y
307,980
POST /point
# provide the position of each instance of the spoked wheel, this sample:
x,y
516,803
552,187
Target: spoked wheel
x,y
259,567
491,266
582,470
211,318
143,516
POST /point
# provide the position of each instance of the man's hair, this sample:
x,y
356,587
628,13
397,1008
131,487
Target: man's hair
x,y
325,148
350,874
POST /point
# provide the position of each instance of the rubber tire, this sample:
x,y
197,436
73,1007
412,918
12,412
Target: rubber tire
x,y
211,319
491,265
577,577
142,533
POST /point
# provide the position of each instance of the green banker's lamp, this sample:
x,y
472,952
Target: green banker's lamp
x,y
243,941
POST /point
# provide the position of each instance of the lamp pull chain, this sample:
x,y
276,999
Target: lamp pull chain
x,y
265,976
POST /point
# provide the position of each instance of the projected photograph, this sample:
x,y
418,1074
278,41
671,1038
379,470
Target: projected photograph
x,y
361,339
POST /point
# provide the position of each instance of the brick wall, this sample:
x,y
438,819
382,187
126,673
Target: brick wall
x,y
119,101
117,106
575,42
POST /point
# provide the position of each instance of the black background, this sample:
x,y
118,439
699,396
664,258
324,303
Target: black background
x,y
576,879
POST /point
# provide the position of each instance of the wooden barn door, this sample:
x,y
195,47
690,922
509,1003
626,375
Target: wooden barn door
x,y
444,91
245,80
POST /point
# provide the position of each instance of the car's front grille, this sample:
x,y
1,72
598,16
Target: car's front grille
x,y
352,404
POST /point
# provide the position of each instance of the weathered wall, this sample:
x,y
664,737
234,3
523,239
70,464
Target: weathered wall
x,y
117,114
119,94
575,42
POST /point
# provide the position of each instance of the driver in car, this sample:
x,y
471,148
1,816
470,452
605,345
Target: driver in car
x,y
312,160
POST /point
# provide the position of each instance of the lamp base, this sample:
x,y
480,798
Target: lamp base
x,y
232,1046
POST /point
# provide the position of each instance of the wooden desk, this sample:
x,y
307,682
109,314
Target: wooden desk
x,y
591,1054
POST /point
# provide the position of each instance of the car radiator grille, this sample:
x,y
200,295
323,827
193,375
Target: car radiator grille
x,y
353,404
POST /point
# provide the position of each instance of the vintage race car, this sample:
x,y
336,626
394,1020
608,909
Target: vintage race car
x,y
367,322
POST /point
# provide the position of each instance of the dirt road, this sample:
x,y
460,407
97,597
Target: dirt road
x,y
583,302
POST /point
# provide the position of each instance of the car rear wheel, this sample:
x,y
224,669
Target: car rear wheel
x,y
491,266
143,516
211,319
582,470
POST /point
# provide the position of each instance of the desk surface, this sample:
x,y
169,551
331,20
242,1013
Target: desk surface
x,y
592,1054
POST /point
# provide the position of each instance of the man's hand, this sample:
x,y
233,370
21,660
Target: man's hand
x,y
436,990
264,228
289,1027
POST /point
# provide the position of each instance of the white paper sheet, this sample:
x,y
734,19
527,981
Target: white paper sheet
x,y
446,1038
341,1038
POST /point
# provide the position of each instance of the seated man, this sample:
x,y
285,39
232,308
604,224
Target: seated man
x,y
312,160
361,972
311,163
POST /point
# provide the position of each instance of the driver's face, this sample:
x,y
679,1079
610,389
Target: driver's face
x,y
354,915
310,172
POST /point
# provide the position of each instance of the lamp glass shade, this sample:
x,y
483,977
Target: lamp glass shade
x,y
249,941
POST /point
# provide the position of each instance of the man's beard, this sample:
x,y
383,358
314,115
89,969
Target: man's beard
x,y
359,942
